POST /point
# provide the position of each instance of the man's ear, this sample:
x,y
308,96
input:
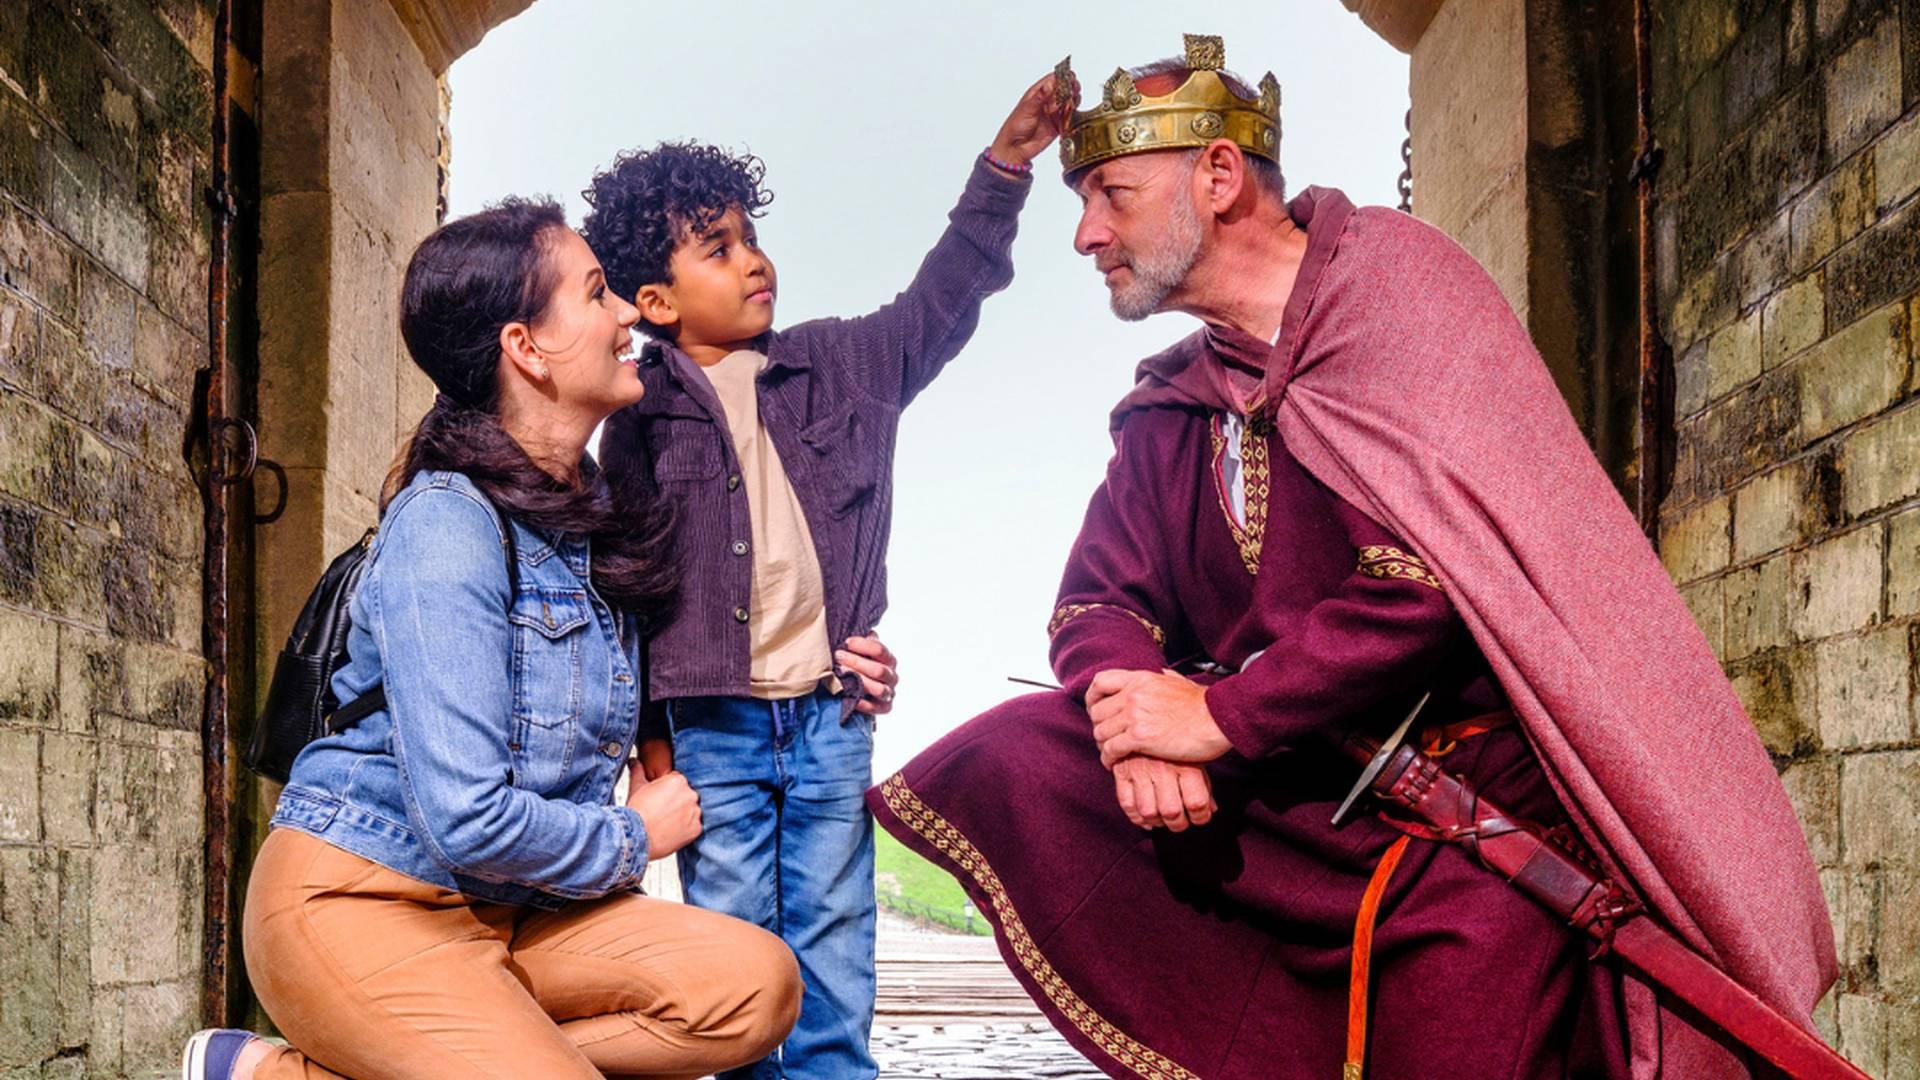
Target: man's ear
x,y
518,349
1223,172
655,302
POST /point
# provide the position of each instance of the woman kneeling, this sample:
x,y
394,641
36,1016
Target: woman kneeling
x,y
448,887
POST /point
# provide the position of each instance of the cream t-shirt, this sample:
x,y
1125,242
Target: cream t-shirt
x,y
788,613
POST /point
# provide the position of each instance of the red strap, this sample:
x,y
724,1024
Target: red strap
x,y
1362,957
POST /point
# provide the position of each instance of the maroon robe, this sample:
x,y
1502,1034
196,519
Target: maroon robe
x,y
1402,383
1223,951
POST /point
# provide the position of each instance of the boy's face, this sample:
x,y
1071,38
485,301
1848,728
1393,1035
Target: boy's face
x,y
723,286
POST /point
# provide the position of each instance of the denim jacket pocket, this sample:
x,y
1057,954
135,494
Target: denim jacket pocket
x,y
841,460
548,636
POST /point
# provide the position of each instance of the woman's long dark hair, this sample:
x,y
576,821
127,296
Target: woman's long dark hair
x,y
465,282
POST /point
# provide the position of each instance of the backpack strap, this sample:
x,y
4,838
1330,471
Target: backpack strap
x,y
374,698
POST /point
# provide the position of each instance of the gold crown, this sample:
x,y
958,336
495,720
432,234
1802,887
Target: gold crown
x,y
1203,109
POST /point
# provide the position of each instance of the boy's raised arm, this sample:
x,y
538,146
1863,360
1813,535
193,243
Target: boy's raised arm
x,y
897,350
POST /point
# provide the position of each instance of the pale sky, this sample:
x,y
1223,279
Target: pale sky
x,y
868,116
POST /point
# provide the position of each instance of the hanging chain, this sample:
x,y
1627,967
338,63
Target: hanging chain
x,y
1406,173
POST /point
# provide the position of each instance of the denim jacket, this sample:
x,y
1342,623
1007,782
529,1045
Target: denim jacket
x,y
508,718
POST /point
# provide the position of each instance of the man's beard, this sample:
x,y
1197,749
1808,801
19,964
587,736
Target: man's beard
x,y
1163,267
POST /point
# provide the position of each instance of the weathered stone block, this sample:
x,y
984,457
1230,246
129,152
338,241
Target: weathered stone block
x,y
165,356
1698,542
75,382
1777,691
1767,511
75,964
1896,164
1761,602
29,960
1879,265
1881,463
1707,601
1838,582
1903,565
177,277
1733,355
1853,901
1691,379
131,885
1831,213
92,679
166,685
158,1021
69,563
1760,257
19,785
1880,804
1863,89
29,680
19,342
1864,695
1899,948
106,317
1853,374
1753,66
1784,156
1794,319
1863,1032
36,262
66,787
1813,786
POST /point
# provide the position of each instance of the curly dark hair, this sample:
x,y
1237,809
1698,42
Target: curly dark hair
x,y
647,200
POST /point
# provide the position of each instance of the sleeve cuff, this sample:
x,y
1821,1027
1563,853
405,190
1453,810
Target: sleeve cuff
x,y
993,192
1238,719
633,848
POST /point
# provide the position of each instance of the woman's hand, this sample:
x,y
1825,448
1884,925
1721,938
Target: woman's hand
x,y
667,806
876,667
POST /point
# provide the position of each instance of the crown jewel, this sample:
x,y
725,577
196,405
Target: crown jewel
x,y
1202,109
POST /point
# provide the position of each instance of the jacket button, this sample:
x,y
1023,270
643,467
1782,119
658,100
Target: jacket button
x,y
622,677
611,749
740,614
733,482
739,547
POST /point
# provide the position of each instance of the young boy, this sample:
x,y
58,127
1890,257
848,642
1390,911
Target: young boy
x,y
778,449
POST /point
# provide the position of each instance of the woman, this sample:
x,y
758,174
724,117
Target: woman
x,y
447,889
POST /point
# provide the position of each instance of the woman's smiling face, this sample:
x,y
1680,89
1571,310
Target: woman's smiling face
x,y
585,333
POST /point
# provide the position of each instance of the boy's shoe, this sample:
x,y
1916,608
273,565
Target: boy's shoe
x,y
210,1054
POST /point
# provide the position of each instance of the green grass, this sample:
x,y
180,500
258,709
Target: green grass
x,y
912,886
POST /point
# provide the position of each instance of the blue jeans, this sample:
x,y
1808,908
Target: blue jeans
x,y
788,846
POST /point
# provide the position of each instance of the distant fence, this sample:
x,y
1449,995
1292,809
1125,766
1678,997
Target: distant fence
x,y
967,922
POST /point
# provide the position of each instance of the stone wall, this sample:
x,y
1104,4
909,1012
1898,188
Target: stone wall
x,y
104,154
1789,235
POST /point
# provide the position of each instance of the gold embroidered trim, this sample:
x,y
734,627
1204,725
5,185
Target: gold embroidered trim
x,y
1390,562
1255,479
952,843
1069,612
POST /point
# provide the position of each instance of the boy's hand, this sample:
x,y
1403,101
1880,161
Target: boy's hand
x,y
667,806
877,669
656,758
1034,123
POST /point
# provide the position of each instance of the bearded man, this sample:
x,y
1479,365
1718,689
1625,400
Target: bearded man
x,y
1353,489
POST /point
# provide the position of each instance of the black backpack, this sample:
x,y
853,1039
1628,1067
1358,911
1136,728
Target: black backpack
x,y
300,703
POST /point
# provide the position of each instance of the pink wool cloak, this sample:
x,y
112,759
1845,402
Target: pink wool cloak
x,y
1403,381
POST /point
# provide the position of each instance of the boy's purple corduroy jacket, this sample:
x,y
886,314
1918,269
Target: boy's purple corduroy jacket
x,y
830,398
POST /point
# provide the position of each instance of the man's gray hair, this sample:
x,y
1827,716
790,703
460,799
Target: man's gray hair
x,y
1265,173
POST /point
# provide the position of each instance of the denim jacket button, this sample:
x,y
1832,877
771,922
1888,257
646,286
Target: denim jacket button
x,y
739,547
740,614
611,749
622,677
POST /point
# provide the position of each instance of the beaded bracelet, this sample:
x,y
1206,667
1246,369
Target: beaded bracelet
x,y
1005,166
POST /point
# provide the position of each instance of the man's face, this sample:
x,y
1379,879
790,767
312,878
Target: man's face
x,y
1139,222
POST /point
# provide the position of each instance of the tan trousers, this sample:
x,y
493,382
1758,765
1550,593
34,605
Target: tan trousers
x,y
372,974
